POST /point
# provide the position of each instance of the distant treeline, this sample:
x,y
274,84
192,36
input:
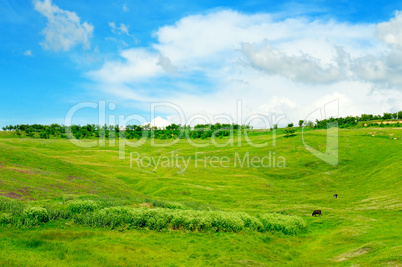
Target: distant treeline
x,y
363,120
172,131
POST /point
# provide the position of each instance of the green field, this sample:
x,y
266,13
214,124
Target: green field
x,y
361,227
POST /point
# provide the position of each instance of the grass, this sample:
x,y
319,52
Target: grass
x,y
361,227
97,214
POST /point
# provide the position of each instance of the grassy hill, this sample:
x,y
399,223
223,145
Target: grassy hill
x,y
361,227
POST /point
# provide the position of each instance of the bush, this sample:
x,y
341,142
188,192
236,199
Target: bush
x,y
108,217
286,224
174,216
251,222
289,132
58,212
191,220
82,206
6,218
34,216
164,204
11,206
227,222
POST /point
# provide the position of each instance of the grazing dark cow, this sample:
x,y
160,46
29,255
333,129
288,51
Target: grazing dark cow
x,y
316,212
336,196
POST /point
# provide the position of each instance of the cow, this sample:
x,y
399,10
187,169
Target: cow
x,y
336,196
316,212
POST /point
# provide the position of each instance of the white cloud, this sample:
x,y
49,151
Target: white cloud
x,y
390,32
160,122
301,68
64,29
200,36
122,29
28,53
290,66
137,65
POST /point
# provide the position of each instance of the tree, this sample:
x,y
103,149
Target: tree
x,y
45,133
290,125
173,127
387,116
275,126
301,123
310,124
289,132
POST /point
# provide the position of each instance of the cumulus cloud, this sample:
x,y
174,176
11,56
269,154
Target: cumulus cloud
x,y
159,122
64,29
386,67
201,36
218,33
301,68
390,32
137,65
273,66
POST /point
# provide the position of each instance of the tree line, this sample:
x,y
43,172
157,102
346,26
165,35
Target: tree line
x,y
368,119
173,131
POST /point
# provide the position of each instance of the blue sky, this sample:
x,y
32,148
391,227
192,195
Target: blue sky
x,y
276,57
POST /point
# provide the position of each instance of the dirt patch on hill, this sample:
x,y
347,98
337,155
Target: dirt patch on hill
x,y
12,194
25,191
16,168
74,178
384,122
24,171
348,255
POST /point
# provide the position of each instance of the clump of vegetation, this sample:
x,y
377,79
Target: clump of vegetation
x,y
165,204
32,216
82,206
6,218
289,225
11,206
190,220
173,216
289,131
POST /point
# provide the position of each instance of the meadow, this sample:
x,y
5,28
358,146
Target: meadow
x,y
68,205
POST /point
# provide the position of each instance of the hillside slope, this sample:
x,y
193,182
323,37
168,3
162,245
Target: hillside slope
x,y
360,227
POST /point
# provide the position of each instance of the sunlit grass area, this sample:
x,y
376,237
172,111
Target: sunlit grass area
x,y
361,226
